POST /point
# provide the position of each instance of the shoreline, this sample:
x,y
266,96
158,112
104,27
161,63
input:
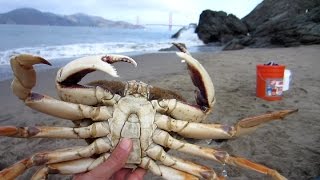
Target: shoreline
x,y
289,146
6,72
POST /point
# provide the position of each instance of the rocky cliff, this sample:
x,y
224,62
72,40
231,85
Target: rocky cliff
x,y
272,23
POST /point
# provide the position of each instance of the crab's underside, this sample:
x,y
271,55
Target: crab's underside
x,y
106,111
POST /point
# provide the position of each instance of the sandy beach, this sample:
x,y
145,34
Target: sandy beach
x,y
291,146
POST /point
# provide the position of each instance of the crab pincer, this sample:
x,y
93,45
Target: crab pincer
x,y
24,74
200,78
204,95
74,71
69,76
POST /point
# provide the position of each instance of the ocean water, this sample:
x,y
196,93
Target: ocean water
x,y
60,44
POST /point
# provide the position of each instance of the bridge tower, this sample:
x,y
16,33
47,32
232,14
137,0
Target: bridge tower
x,y
170,21
137,20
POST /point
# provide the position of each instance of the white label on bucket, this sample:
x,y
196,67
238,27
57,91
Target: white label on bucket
x,y
274,87
286,79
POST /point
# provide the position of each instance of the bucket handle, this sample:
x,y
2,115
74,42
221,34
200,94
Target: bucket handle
x,y
259,74
271,63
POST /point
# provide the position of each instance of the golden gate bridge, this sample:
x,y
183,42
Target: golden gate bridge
x,y
170,24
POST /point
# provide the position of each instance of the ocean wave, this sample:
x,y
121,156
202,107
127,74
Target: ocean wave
x,y
67,51
75,50
78,50
190,36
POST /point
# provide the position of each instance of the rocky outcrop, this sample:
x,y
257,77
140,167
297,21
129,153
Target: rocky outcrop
x,y
218,26
274,10
284,23
272,23
303,29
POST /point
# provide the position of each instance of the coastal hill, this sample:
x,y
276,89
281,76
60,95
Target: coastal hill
x,y
30,16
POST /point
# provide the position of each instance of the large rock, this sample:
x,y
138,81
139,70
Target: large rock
x,y
218,26
303,29
274,10
233,45
284,23
272,23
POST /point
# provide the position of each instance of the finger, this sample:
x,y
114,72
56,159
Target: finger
x,y
114,163
137,174
121,174
78,176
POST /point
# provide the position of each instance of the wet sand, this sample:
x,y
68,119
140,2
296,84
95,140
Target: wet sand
x,y
290,146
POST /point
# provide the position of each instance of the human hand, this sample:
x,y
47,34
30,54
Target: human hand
x,y
112,168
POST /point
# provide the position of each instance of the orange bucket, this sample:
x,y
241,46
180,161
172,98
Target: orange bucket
x,y
270,81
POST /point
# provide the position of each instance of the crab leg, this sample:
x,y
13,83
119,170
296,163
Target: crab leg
x,y
179,110
163,138
204,96
66,110
217,131
71,74
99,146
165,171
98,129
156,152
24,80
70,167
87,164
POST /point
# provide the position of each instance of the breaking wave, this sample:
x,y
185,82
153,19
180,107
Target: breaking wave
x,y
78,50
85,49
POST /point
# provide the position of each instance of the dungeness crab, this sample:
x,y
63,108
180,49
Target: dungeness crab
x,y
106,111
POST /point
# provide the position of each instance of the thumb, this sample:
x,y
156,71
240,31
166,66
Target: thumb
x,y
114,163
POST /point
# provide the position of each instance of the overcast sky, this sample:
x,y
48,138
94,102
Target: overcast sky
x,y
147,11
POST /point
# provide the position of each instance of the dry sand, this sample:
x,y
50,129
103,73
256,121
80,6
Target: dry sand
x,y
291,146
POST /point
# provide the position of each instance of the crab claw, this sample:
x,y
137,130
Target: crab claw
x,y
24,74
200,78
74,71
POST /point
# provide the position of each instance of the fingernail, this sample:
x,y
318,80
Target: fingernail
x,y
125,143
